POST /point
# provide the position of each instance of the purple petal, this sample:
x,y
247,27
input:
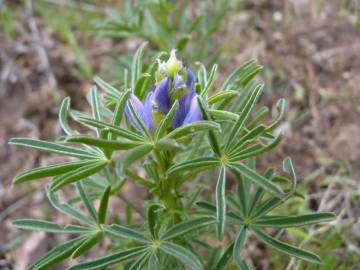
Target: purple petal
x,y
138,107
162,96
184,106
146,117
194,113
190,79
178,81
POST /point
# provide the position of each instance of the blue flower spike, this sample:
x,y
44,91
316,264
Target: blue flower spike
x,y
173,82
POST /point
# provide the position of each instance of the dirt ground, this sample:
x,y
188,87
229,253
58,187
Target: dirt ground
x,y
310,50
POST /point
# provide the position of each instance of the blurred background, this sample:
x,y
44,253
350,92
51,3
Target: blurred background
x,y
310,50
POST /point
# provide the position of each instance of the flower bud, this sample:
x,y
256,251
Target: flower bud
x,y
173,65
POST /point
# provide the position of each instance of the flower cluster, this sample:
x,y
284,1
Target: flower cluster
x,y
174,83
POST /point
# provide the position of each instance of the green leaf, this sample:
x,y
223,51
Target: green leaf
x,y
182,254
257,179
224,115
127,233
224,259
152,216
248,137
237,73
107,87
294,221
221,204
165,123
140,262
152,265
119,110
240,123
77,175
67,209
255,150
52,147
86,200
286,248
213,138
95,107
102,143
104,205
210,81
280,105
57,254
238,244
222,96
63,115
47,226
135,154
259,192
109,259
184,227
136,67
204,163
118,131
140,82
52,170
88,243
190,129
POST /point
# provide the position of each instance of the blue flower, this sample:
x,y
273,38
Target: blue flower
x,y
188,111
162,95
179,84
143,110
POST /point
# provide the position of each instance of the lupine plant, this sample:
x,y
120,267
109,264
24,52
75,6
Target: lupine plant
x,y
193,147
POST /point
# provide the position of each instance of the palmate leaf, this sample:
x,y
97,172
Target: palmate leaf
x,y
184,227
293,221
286,248
107,260
52,147
182,254
48,226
